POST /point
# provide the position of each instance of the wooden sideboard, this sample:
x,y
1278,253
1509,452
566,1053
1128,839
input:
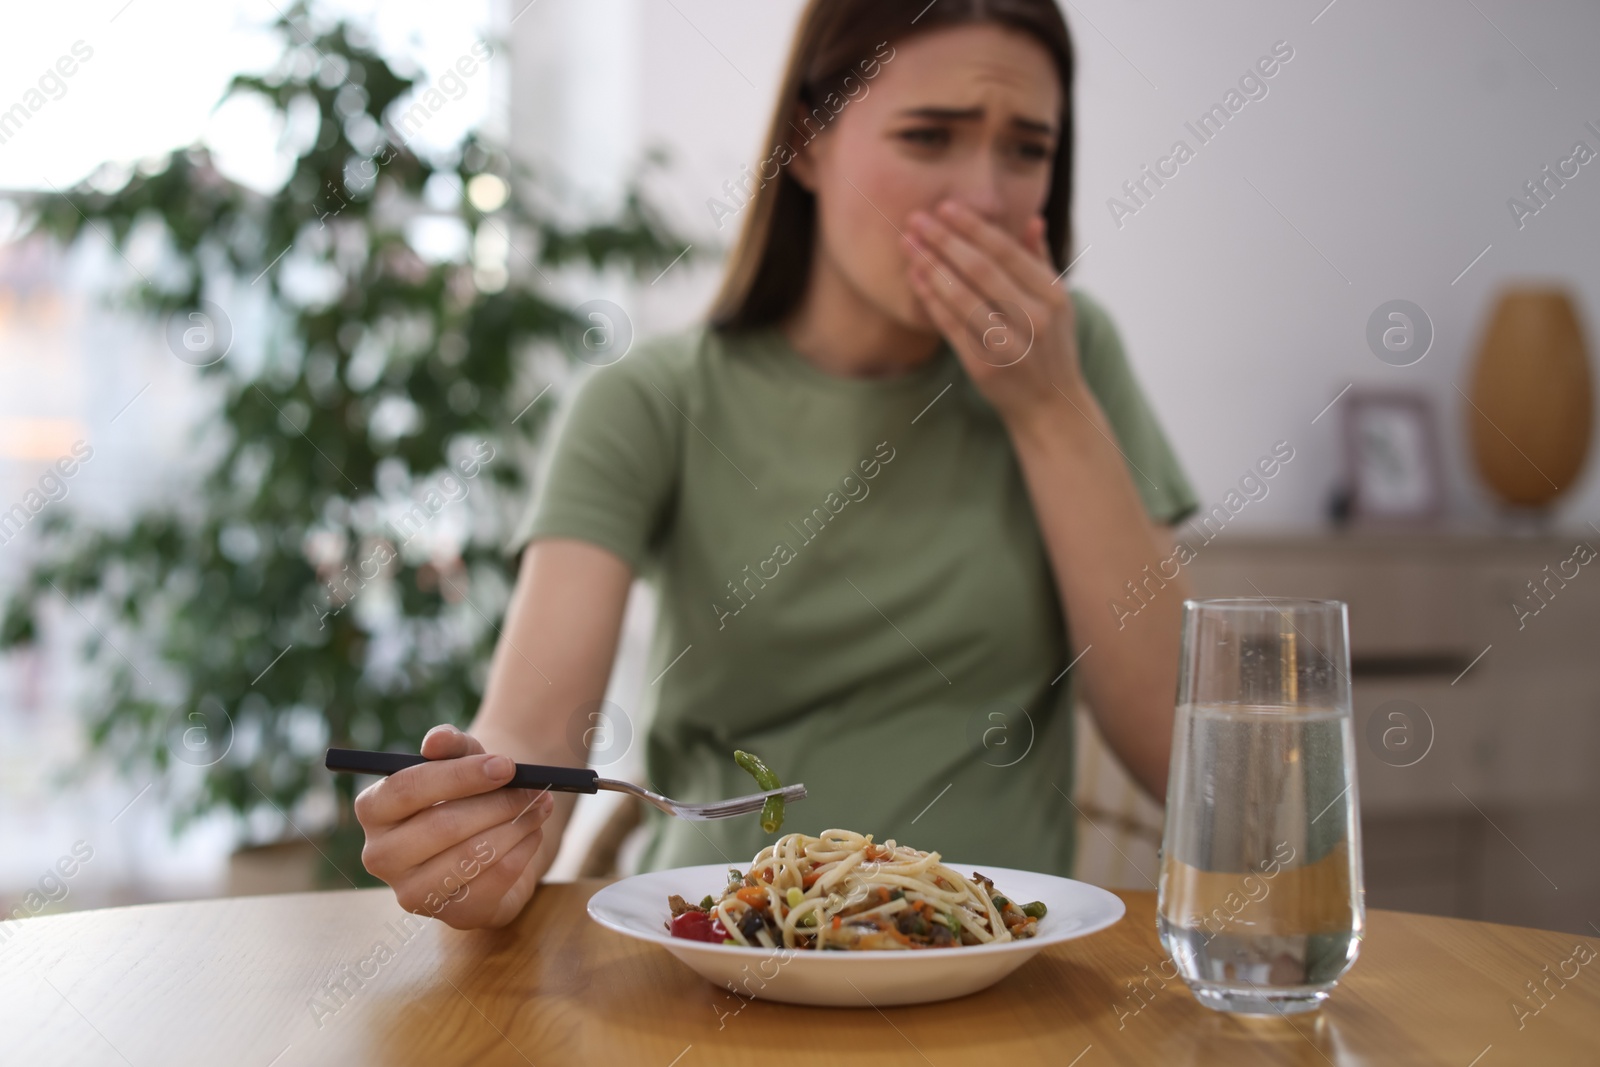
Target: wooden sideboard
x,y
1486,804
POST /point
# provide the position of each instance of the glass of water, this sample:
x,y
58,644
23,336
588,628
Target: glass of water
x,y
1261,902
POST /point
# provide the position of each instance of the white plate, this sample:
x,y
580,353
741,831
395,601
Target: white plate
x,y
637,907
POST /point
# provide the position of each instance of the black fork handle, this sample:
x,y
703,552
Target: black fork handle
x,y
527,776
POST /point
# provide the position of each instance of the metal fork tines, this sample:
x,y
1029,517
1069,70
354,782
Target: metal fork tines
x,y
720,809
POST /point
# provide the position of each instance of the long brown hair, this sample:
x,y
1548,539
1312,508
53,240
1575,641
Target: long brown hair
x,y
835,42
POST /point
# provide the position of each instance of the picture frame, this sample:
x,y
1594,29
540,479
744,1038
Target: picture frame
x,y
1393,466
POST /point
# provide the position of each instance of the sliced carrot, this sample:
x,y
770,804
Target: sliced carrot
x,y
811,879
836,922
752,896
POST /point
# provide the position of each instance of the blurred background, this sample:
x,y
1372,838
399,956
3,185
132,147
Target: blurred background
x,y
288,294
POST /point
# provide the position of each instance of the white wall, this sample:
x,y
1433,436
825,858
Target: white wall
x,y
1389,144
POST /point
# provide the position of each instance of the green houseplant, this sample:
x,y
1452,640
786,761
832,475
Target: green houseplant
x,y
337,576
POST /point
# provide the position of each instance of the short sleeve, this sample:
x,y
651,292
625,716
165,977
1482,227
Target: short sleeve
x,y
609,468
1167,494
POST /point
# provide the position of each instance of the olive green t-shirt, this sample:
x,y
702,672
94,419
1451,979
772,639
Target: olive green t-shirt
x,y
852,585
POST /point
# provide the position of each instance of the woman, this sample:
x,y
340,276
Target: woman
x,y
871,493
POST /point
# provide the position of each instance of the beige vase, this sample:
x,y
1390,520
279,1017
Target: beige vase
x,y
1532,400
283,867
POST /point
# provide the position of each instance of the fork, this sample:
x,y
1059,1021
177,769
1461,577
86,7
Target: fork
x,y
567,780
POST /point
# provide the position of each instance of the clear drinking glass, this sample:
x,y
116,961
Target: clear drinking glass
x,y
1261,902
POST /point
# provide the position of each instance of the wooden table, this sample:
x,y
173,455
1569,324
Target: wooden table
x,y
244,983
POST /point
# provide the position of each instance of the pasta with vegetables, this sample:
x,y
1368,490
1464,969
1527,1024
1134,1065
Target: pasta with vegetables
x,y
844,891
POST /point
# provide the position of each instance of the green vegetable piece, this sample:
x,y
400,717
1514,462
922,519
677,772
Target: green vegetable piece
x,y
708,903
795,896
772,810
1000,903
1035,910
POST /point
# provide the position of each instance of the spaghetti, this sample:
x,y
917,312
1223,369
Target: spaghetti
x,y
844,891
